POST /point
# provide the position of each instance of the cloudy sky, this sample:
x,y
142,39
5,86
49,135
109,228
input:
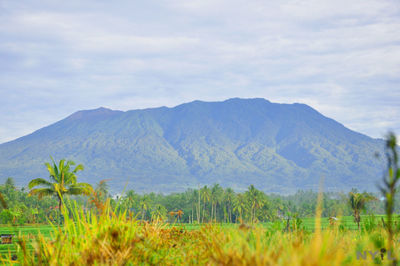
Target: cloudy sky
x,y
341,57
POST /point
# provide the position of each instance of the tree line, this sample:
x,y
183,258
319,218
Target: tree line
x,y
202,205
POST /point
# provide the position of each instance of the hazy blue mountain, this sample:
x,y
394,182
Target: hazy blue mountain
x,y
276,147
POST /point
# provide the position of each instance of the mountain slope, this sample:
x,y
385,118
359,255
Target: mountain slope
x,y
277,147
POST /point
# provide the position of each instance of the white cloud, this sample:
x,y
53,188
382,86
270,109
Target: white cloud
x,y
341,57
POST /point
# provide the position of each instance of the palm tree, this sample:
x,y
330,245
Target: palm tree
x,y
239,205
254,196
229,196
130,199
357,203
179,214
206,195
62,182
144,206
198,209
216,193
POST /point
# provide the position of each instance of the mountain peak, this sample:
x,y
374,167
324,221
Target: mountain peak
x,y
237,99
92,113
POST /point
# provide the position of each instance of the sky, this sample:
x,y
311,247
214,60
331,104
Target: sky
x,y
340,57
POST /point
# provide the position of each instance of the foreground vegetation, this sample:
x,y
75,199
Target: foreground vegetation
x,y
307,225
114,238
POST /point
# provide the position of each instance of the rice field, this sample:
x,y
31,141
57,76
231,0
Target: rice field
x,y
117,240
307,224
29,232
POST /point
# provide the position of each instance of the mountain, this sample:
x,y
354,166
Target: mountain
x,y
237,142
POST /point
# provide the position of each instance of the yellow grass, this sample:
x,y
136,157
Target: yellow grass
x,y
116,239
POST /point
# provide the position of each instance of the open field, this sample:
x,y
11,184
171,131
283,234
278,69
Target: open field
x,y
308,223
114,239
28,231
182,232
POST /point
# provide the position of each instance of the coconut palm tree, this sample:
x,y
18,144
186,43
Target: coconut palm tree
x,y
254,197
63,181
179,214
198,208
239,205
229,196
144,205
206,195
357,203
130,199
215,198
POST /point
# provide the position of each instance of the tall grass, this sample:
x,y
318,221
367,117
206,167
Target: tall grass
x,y
116,238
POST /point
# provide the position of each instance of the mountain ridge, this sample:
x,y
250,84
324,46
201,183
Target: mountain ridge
x,y
236,142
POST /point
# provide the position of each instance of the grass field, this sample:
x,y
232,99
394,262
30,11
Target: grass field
x,y
308,223
30,232
114,239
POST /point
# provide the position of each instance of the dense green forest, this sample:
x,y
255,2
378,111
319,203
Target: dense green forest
x,y
213,204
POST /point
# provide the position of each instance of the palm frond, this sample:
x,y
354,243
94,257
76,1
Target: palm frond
x,y
61,165
41,192
56,172
69,178
51,170
80,167
39,182
80,188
